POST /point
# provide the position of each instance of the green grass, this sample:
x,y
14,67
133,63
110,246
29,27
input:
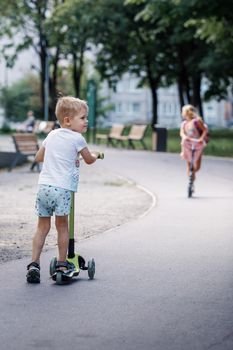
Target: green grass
x,y
220,144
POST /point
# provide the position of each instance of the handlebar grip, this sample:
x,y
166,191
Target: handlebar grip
x,y
101,155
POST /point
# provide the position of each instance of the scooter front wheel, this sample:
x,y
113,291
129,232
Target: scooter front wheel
x,y
190,186
91,269
59,278
190,190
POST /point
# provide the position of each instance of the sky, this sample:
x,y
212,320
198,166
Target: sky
x,y
23,66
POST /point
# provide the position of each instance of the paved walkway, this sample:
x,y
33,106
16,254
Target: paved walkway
x,y
163,281
97,212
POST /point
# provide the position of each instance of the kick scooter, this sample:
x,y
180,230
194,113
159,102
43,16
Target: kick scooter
x,y
75,262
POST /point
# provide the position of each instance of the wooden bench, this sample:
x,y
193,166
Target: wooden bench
x,y
26,145
136,133
115,132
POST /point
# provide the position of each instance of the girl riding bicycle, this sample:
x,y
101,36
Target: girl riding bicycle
x,y
193,133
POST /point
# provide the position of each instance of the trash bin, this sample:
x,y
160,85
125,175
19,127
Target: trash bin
x,y
159,139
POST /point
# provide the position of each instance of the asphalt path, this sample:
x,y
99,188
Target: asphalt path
x,y
163,281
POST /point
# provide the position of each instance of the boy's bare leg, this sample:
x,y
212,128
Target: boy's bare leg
x,y
43,228
61,223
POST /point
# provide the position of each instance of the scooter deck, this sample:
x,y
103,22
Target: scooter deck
x,y
75,262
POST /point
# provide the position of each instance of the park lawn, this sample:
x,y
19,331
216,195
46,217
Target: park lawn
x,y
220,144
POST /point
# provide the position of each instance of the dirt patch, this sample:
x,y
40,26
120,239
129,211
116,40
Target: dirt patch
x,y
103,201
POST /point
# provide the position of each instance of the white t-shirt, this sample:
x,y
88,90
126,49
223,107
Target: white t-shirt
x,y
61,160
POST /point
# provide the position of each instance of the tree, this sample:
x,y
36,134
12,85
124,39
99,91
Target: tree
x,y
73,34
213,25
21,97
126,42
29,19
183,51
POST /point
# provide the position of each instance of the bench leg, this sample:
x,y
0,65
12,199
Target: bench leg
x,y
143,144
130,144
110,141
15,161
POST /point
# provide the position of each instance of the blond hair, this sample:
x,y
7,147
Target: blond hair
x,y
190,111
68,106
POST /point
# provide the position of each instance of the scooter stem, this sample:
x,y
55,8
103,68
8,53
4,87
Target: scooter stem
x,y
71,228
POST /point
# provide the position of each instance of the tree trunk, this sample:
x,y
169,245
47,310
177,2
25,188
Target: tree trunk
x,y
53,83
183,77
77,71
180,92
154,94
42,78
76,76
153,83
187,89
197,101
41,8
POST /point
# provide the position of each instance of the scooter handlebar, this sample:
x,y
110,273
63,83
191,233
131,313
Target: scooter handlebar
x,y
101,155
192,140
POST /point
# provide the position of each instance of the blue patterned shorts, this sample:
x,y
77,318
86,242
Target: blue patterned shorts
x,y
52,199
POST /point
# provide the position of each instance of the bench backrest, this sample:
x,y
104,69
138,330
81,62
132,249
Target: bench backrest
x,y
26,143
116,130
137,132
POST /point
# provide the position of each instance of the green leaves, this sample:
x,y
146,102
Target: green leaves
x,y
161,41
21,97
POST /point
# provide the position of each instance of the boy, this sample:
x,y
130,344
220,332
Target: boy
x,y
59,176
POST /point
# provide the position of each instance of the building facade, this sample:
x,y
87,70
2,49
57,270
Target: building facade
x,y
133,104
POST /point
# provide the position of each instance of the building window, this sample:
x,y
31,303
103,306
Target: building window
x,y
118,107
136,107
164,108
127,107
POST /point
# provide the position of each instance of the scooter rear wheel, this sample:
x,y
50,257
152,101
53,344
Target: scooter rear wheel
x,y
91,269
190,186
52,267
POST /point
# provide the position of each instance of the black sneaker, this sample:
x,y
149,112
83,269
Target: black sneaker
x,y
33,274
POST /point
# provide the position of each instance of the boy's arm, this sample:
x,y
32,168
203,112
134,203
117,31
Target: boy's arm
x,y
89,157
40,155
